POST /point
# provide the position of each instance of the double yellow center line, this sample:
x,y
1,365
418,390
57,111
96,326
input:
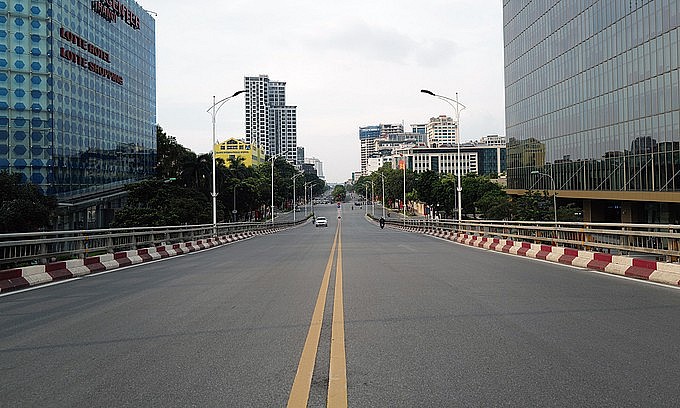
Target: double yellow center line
x,y
337,376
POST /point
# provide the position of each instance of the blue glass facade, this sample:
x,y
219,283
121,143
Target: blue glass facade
x,y
593,96
77,93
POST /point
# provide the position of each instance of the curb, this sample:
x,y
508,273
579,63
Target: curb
x,y
653,271
21,278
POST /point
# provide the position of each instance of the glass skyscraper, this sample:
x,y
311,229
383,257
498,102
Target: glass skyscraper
x,y
77,94
593,101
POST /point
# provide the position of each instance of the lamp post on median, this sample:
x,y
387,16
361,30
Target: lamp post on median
x,y
311,196
305,191
365,199
294,202
213,112
273,159
382,176
402,165
552,182
372,199
456,108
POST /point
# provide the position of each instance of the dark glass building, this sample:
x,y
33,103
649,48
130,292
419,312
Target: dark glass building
x,y
592,101
77,94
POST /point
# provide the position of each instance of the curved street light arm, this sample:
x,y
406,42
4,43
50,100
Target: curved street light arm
x,y
217,105
213,112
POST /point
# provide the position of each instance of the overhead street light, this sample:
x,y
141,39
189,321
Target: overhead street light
x,y
456,108
213,112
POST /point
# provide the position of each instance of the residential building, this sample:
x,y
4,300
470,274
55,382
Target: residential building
x,y
300,156
270,123
419,128
318,166
441,131
234,148
367,136
592,102
78,101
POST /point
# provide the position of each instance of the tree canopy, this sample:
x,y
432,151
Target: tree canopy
x,y
481,196
23,207
181,192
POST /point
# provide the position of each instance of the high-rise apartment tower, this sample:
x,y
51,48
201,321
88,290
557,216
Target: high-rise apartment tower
x,y
270,123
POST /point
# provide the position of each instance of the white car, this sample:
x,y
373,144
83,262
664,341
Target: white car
x,y
321,222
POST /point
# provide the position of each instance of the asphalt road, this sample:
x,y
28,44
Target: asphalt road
x,y
427,323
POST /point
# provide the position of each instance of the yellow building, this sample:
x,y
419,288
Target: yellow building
x,y
233,148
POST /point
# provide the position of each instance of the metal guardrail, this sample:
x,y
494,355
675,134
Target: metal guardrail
x,y
48,246
651,240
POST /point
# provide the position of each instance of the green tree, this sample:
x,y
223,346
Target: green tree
x,y
428,187
170,156
339,193
23,207
197,172
495,205
474,188
155,203
533,206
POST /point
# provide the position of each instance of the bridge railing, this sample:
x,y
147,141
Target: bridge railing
x,y
654,240
47,246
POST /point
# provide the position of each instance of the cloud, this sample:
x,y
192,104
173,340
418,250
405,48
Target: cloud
x,y
376,44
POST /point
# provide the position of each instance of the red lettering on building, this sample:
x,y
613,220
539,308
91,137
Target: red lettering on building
x,y
84,44
110,10
90,66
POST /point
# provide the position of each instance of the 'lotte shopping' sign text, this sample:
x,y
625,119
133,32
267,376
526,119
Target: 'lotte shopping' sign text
x,y
84,61
111,11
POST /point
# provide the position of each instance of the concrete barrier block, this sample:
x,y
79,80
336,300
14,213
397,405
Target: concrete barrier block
x,y
516,247
533,250
583,259
666,277
668,267
109,261
77,267
555,254
35,274
134,257
616,268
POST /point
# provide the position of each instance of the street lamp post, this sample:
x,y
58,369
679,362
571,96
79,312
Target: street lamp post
x,y
382,176
294,202
552,182
372,198
402,164
213,111
365,199
273,159
305,191
456,108
311,196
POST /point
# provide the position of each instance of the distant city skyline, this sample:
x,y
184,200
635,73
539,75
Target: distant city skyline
x,y
344,69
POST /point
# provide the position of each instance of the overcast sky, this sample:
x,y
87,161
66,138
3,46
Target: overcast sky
x,y
346,64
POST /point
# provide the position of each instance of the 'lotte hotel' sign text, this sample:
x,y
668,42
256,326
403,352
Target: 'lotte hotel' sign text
x,y
111,10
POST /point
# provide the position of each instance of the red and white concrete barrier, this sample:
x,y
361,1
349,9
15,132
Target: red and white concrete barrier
x,y
660,272
19,278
